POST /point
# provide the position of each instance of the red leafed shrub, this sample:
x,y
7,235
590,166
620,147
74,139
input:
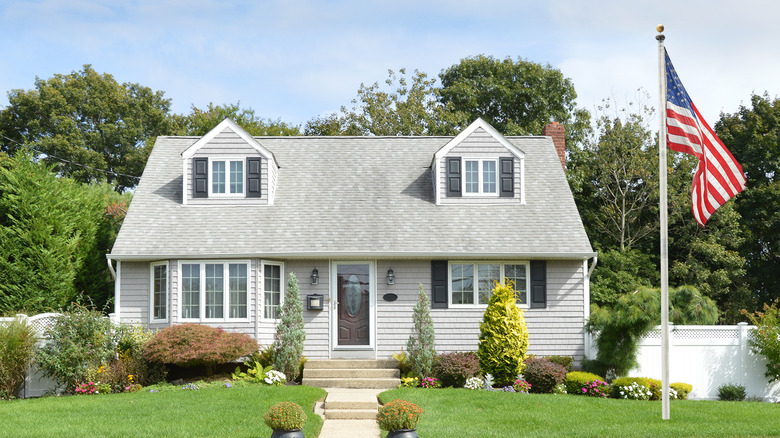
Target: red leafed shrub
x,y
543,375
452,369
191,345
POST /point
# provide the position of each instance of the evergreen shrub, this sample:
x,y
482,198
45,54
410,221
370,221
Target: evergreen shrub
x,y
288,343
731,392
17,349
453,369
543,375
503,338
576,380
421,345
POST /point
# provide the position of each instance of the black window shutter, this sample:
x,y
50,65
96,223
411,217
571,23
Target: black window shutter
x,y
439,280
454,176
253,177
538,284
200,177
507,177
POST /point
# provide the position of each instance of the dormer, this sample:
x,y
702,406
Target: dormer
x,y
478,166
227,166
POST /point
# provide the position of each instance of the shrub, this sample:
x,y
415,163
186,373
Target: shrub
x,y
285,416
576,380
503,338
731,392
398,415
654,385
75,342
596,388
566,361
131,342
17,349
543,375
191,345
421,345
765,338
403,364
683,389
288,343
452,369
634,391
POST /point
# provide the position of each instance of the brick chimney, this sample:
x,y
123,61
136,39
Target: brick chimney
x,y
558,134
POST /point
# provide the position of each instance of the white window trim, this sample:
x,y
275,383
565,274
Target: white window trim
x,y
261,288
227,161
476,264
167,292
480,177
225,290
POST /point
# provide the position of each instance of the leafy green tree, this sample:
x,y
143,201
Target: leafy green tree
x,y
288,343
503,338
621,272
54,234
421,345
765,339
516,97
752,134
200,121
90,120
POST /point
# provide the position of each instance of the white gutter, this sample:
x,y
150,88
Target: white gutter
x,y
111,268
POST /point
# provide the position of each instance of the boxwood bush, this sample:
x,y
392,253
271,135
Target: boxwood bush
x,y
576,380
683,389
543,375
452,369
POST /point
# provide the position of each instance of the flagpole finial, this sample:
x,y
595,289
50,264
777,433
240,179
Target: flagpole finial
x,y
660,28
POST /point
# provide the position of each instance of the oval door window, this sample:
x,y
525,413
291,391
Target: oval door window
x,y
354,295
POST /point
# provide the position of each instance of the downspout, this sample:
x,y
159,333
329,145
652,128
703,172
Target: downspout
x,y
111,268
586,303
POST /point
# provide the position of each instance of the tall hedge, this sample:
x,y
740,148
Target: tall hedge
x,y
503,338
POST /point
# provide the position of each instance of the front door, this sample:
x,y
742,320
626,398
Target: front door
x,y
353,287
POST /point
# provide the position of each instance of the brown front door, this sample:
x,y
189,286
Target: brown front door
x,y
352,283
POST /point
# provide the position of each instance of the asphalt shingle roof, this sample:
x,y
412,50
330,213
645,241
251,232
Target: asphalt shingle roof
x,y
366,197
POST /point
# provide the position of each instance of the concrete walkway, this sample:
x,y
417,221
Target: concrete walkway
x,y
349,413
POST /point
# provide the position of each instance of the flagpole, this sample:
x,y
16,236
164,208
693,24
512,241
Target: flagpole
x,y
664,225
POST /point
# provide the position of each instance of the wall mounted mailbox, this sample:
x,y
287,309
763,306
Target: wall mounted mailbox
x,y
314,302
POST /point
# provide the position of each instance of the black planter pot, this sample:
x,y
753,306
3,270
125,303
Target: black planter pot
x,y
403,433
279,433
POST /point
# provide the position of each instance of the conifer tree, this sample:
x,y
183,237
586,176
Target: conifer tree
x,y
421,344
288,343
503,338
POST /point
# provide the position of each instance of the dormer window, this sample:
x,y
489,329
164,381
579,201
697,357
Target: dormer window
x,y
480,177
227,177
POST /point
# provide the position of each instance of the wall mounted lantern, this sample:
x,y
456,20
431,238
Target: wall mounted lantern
x,y
315,276
390,276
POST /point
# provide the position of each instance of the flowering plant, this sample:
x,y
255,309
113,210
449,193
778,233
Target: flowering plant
x,y
409,382
430,382
399,415
508,389
473,383
596,388
274,378
88,388
635,391
522,386
285,416
191,387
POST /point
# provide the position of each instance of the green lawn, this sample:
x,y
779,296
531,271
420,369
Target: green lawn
x,y
173,412
464,413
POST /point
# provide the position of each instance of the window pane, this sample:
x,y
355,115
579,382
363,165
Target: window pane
x,y
160,292
462,284
489,176
516,274
218,177
272,291
215,285
238,290
472,176
190,290
488,275
236,177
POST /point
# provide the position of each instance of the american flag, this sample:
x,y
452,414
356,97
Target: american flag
x,y
718,176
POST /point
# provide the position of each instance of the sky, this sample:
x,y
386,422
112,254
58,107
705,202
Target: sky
x,y
296,60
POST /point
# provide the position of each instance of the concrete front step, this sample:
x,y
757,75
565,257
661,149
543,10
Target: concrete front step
x,y
351,414
343,405
340,382
352,373
317,364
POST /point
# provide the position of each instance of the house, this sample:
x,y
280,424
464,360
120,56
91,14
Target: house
x,y
218,223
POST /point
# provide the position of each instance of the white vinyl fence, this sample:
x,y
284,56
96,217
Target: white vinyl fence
x,y
706,356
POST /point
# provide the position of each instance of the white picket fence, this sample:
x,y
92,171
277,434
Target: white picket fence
x,y
706,356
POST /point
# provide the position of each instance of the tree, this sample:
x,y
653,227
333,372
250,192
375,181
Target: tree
x,y
752,134
503,338
515,97
199,122
421,345
288,343
93,127
409,107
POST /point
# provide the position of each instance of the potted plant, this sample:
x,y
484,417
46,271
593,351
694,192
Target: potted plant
x,y
286,419
399,418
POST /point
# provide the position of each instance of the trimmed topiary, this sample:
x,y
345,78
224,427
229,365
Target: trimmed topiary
x,y
453,369
576,380
190,345
503,338
543,375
